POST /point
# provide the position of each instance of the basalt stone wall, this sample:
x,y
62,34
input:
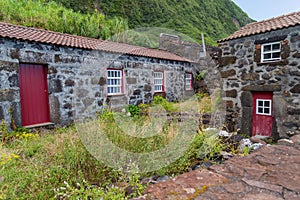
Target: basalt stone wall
x,y
243,73
77,79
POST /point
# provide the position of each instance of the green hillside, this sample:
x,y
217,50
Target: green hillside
x,y
53,16
215,18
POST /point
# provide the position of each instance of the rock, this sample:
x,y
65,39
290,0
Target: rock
x,y
256,146
286,142
162,178
296,139
226,155
224,134
246,143
255,139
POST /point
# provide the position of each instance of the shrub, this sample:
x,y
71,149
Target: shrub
x,y
159,100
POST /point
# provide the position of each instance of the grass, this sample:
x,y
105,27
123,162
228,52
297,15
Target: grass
x,y
58,164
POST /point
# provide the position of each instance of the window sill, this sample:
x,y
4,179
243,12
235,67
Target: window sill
x,y
273,63
115,95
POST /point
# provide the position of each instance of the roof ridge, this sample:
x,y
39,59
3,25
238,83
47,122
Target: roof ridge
x,y
64,39
274,23
47,31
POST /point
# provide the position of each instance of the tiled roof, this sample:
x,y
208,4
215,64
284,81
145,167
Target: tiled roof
x,y
50,37
275,23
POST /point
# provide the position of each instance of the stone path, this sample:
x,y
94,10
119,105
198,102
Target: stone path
x,y
269,173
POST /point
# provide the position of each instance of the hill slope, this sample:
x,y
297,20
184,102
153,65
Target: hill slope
x,y
215,18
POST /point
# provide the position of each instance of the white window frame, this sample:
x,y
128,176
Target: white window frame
x,y
263,107
158,81
188,81
114,81
271,51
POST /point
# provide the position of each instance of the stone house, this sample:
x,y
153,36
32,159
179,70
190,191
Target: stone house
x,y
260,67
48,77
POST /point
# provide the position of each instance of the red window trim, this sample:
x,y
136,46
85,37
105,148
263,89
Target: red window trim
x,y
163,81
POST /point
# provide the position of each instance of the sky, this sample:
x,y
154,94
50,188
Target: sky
x,y
265,9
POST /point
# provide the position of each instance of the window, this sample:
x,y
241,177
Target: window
x,y
263,107
270,52
188,81
158,82
114,81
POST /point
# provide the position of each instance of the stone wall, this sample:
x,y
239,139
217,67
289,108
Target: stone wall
x,y
77,79
242,73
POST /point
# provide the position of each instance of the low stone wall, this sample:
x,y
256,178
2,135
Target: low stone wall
x,y
77,79
242,73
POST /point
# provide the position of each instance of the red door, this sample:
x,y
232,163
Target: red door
x,y
262,119
34,94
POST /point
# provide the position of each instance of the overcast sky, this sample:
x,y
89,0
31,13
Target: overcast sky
x,y
265,9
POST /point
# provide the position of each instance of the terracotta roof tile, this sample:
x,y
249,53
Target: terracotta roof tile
x,y
50,37
275,23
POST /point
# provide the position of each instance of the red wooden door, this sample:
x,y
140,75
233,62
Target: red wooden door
x,y
262,119
34,94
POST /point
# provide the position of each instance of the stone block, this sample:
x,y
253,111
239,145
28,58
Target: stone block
x,y
147,88
262,88
35,57
296,89
8,95
137,92
226,74
14,53
266,76
55,86
285,51
295,73
13,80
246,121
250,76
55,115
8,66
246,99
296,55
102,81
293,111
70,83
231,93
227,60
1,113
52,70
131,80
16,113
295,38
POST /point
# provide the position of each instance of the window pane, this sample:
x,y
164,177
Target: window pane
x,y
276,46
260,110
267,104
267,55
267,111
276,55
260,103
267,47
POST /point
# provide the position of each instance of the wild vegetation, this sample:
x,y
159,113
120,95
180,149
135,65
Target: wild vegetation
x,y
105,19
52,16
215,18
54,164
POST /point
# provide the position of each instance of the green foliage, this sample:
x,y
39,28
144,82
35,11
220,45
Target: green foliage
x,y
201,75
159,100
216,19
133,110
52,16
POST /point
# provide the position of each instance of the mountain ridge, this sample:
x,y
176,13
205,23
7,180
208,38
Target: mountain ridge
x,y
215,18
